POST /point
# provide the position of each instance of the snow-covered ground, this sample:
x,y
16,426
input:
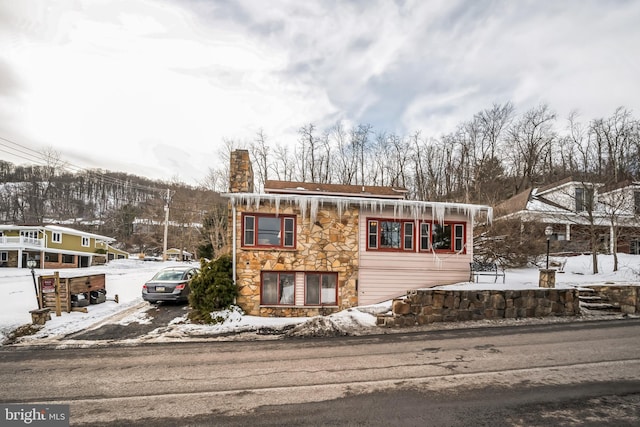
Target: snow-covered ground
x,y
125,278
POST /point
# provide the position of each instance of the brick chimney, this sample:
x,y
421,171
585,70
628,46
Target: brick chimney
x,y
240,172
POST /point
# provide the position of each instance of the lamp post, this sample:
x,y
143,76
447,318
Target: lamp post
x,y
31,263
548,232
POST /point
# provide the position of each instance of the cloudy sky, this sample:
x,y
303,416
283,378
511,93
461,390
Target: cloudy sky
x,y
153,87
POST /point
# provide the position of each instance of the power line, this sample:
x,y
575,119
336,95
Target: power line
x,y
32,155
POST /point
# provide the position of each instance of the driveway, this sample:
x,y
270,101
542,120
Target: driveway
x,y
160,315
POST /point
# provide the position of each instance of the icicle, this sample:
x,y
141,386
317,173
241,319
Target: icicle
x,y
439,212
438,261
341,205
314,209
435,211
301,203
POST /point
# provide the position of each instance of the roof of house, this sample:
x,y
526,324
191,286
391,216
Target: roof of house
x,y
176,251
514,204
308,188
535,199
618,185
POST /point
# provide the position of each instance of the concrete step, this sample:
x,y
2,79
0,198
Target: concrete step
x,y
600,306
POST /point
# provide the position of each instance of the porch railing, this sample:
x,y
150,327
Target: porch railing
x,y
21,241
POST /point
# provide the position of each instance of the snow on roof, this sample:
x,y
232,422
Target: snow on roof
x,y
309,188
58,228
78,232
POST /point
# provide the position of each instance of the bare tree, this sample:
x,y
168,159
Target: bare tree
x,y
530,139
284,163
259,150
360,142
217,178
615,136
492,123
345,163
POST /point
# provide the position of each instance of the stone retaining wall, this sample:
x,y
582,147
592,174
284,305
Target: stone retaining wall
x,y
424,306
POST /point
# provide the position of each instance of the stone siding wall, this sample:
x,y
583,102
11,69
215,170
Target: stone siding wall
x,y
12,260
625,296
424,306
240,172
327,244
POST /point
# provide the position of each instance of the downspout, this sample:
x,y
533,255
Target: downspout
x,y
233,243
45,241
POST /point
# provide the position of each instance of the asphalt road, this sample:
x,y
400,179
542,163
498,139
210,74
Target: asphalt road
x,y
585,373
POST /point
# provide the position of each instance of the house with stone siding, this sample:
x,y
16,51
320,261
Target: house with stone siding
x,y
303,249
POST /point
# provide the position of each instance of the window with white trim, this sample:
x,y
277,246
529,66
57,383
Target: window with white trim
x,y
447,237
56,237
425,236
260,230
584,199
391,235
29,236
86,242
321,289
4,256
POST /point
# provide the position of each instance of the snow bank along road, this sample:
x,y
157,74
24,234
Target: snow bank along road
x,y
233,383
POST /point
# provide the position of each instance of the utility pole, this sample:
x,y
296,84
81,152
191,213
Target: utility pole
x,y
166,225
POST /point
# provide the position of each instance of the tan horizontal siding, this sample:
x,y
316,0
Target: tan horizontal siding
x,y
382,285
386,275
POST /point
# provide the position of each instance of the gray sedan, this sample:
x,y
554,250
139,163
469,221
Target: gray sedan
x,y
169,284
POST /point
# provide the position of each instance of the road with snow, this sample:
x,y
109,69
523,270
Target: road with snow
x,y
522,375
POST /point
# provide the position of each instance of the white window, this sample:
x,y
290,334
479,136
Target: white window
x,y
4,256
56,237
85,242
425,235
584,199
29,236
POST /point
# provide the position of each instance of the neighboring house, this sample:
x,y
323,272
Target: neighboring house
x,y
576,210
53,246
110,252
175,254
302,249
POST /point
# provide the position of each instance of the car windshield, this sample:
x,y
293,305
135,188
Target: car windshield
x,y
169,275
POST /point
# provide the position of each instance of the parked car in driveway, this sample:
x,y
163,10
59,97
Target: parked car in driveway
x,y
169,284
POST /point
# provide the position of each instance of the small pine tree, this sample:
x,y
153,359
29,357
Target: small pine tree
x,y
212,289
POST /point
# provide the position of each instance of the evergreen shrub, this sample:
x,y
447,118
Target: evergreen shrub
x,y
213,289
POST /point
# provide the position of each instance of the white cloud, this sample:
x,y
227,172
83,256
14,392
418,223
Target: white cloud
x,y
153,87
